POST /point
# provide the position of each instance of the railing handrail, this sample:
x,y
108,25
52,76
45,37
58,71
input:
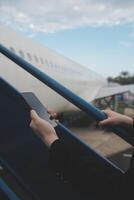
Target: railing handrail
x,y
18,181
87,107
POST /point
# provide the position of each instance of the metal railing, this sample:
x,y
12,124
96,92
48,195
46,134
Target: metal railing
x,y
8,189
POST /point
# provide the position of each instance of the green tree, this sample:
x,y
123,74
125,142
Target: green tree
x,y
123,78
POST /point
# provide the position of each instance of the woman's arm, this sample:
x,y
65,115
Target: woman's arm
x,y
115,118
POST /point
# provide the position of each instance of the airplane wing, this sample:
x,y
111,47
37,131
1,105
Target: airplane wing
x,y
107,91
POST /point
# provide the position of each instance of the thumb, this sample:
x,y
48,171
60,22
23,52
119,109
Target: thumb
x,y
34,116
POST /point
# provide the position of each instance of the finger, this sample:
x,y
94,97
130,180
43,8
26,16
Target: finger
x,y
105,122
53,116
106,111
50,111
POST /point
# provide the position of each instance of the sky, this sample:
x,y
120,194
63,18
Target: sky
x,y
98,34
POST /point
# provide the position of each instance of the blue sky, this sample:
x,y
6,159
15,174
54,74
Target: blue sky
x,y
106,50
98,34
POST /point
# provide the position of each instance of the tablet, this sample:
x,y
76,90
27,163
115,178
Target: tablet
x,y
36,105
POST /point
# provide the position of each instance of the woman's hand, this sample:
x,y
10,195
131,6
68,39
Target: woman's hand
x,y
115,118
43,129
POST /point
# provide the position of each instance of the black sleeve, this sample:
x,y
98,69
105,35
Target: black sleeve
x,y
130,130
80,170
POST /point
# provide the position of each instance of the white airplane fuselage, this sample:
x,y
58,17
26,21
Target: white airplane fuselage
x,y
77,78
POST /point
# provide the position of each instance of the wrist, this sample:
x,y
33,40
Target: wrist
x,y
49,139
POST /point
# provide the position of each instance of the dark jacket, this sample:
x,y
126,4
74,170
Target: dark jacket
x,y
79,170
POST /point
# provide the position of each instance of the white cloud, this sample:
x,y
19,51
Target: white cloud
x,y
56,15
126,44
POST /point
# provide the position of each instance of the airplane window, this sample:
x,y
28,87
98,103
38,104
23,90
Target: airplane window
x,y
36,59
12,49
21,54
46,61
59,67
29,56
65,69
42,61
51,64
56,66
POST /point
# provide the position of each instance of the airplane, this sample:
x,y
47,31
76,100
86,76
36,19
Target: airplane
x,y
81,80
